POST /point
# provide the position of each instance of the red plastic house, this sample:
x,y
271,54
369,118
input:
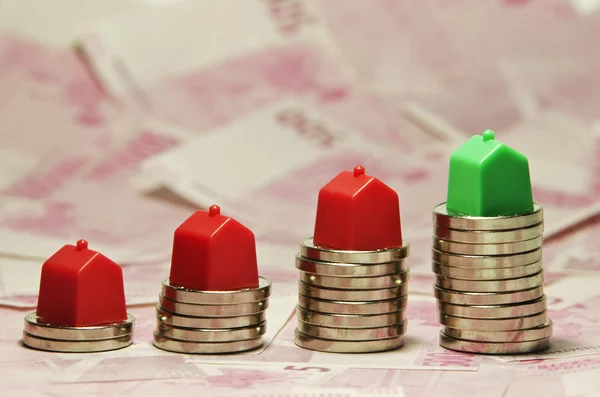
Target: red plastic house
x,y
80,287
357,212
212,252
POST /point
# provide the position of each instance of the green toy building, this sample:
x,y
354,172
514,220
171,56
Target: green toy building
x,y
488,178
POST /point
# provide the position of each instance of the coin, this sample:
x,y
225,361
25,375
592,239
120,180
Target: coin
x,y
501,273
180,346
349,269
76,346
309,250
486,262
191,309
493,347
352,295
487,249
515,284
212,335
442,218
333,307
488,236
504,324
487,298
350,320
494,312
351,283
335,346
35,327
208,322
352,334
180,294
542,332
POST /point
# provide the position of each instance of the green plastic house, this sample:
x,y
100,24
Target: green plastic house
x,y
488,178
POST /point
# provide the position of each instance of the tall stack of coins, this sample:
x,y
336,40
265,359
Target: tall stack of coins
x,y
489,282
213,301
351,301
192,321
353,273
487,256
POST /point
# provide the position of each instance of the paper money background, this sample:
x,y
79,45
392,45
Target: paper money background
x,y
107,108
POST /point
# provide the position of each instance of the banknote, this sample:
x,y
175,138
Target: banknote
x,y
571,303
55,24
449,59
73,183
286,51
188,35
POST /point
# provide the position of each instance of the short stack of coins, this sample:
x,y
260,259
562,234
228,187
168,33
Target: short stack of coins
x,y
489,282
214,300
351,301
40,335
81,305
211,322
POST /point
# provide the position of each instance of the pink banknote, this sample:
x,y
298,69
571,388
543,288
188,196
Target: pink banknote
x,y
72,155
461,59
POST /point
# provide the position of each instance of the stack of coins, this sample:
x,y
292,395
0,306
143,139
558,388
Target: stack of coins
x,y
39,335
211,322
81,304
351,301
489,282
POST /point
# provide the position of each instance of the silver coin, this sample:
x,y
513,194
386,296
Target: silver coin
x,y
349,269
35,327
76,346
493,347
351,283
493,312
351,320
503,324
187,347
352,334
488,236
180,294
352,295
309,250
333,307
501,273
487,249
336,346
515,284
212,335
176,320
487,298
522,335
442,218
191,309
486,262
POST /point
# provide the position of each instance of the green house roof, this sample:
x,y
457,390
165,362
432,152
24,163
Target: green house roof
x,y
488,178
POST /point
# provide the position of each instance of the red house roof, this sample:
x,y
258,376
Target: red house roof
x,y
212,252
357,212
81,287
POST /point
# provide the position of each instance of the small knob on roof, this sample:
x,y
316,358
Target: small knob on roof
x,y
81,245
214,210
488,135
359,170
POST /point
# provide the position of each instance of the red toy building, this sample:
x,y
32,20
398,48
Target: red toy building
x,y
80,287
357,212
212,252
